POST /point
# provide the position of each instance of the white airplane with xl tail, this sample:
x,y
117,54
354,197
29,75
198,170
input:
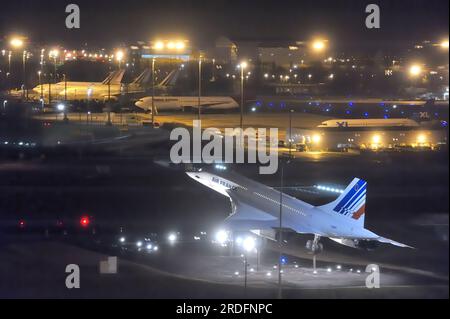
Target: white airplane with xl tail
x,y
256,208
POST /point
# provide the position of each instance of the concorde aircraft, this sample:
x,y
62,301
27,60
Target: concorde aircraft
x,y
256,208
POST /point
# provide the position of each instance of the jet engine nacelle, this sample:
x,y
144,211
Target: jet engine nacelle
x,y
274,234
357,243
266,233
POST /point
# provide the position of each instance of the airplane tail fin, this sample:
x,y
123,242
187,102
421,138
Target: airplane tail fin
x,y
114,77
108,78
351,203
143,78
169,79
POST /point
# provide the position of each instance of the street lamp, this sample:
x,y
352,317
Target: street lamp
x,y
16,42
318,45
62,109
199,85
179,45
242,66
249,245
415,70
444,44
119,57
171,45
54,54
159,45
316,138
49,89
24,64
290,132
280,236
222,237
153,92
9,63
65,97
40,83
172,238
41,62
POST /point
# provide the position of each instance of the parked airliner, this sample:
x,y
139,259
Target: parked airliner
x,y
174,103
111,85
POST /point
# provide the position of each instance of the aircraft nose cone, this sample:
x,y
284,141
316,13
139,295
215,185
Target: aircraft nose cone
x,y
191,174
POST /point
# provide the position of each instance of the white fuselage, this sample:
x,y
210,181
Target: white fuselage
x,y
296,214
78,90
368,123
173,103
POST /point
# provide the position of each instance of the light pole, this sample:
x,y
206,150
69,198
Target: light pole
x,y
153,91
55,67
49,89
280,237
41,62
290,132
8,74
65,98
108,122
319,45
415,70
54,54
199,85
24,64
40,84
9,63
245,272
119,57
65,87
17,43
89,95
243,65
249,245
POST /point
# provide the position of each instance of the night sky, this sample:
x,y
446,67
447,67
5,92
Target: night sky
x,y
106,23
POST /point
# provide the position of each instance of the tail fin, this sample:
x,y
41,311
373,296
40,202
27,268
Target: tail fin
x,y
143,78
170,79
114,77
108,78
351,202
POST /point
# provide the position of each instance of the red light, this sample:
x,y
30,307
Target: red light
x,y
84,221
21,223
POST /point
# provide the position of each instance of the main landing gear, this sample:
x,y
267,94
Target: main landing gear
x,y
315,247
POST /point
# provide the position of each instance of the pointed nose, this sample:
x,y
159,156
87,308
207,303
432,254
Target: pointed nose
x,y
139,104
192,175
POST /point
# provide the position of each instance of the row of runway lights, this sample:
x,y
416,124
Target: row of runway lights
x,y
296,266
140,244
248,243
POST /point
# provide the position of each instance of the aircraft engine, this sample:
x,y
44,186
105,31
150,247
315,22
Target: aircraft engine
x,y
357,243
